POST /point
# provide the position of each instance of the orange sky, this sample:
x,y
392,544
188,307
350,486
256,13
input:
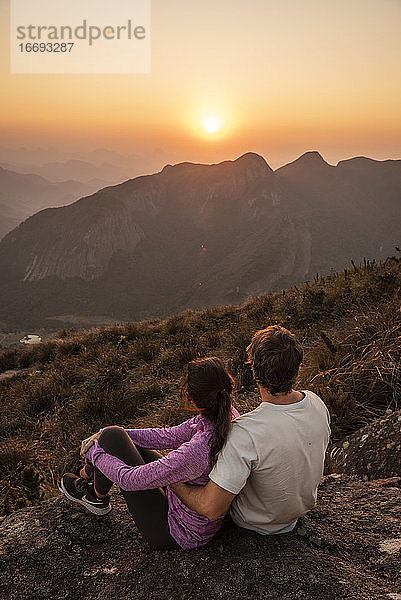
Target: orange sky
x,y
284,77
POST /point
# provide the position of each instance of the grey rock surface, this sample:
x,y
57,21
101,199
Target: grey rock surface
x,y
372,452
348,548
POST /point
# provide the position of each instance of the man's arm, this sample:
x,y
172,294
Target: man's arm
x,y
211,501
231,472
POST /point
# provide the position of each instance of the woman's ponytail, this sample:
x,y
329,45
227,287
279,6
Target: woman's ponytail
x,y
210,387
222,425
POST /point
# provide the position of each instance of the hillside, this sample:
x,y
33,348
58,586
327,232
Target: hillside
x,y
69,386
355,205
347,548
197,236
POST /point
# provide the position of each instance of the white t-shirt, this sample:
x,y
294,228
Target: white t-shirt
x,y
273,460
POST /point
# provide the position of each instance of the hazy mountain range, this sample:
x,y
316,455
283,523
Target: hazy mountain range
x,y
78,170
32,179
102,167
23,195
198,235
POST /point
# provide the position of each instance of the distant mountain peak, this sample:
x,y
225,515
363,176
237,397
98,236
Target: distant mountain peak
x,y
309,162
254,161
312,156
251,157
250,161
359,160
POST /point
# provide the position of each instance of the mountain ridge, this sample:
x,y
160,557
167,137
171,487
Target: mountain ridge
x,y
195,235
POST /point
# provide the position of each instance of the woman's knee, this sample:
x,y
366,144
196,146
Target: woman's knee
x,y
111,434
116,441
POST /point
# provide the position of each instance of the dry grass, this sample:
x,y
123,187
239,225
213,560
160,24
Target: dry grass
x,y
130,375
361,379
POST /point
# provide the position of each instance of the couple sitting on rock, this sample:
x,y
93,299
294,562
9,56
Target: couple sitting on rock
x,y
263,466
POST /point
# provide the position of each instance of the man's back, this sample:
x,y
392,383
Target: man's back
x,y
273,460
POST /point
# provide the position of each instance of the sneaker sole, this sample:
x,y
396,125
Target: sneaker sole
x,y
93,509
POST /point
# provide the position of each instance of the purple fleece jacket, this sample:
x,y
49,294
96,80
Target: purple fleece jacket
x,y
188,461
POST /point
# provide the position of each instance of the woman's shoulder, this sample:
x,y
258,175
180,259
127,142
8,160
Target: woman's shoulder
x,y
205,425
197,447
201,424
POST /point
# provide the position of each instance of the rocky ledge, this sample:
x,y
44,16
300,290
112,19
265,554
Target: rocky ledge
x,y
371,452
348,547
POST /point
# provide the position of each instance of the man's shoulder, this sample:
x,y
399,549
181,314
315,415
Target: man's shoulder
x,y
265,412
312,395
243,418
244,422
240,430
317,402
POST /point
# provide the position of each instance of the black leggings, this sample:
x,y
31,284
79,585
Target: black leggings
x,y
148,507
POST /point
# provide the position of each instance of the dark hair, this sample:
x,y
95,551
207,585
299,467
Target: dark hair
x,y
275,355
210,387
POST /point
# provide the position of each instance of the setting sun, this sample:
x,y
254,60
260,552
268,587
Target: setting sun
x,y
211,124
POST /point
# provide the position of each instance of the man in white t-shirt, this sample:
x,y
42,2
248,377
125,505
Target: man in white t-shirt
x,y
272,462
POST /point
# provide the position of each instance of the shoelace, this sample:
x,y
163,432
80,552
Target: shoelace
x,y
81,484
88,488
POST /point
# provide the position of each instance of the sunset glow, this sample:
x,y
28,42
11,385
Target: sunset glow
x,y
211,124
277,78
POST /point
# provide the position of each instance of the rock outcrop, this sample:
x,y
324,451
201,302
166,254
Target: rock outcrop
x,y
348,548
372,452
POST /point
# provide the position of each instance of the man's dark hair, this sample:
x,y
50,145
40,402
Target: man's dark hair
x,y
275,355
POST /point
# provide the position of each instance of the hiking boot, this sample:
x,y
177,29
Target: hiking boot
x,y
79,490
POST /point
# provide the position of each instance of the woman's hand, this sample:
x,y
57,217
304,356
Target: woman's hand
x,y
88,442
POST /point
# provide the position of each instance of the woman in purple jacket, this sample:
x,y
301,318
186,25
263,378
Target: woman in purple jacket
x,y
128,457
